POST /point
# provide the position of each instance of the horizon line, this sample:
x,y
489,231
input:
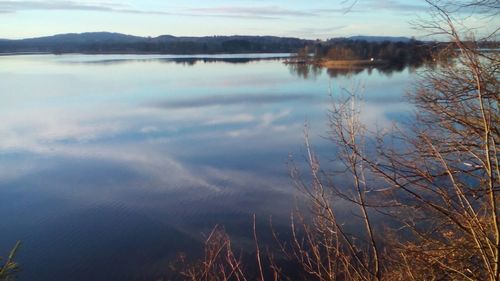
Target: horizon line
x,y
214,35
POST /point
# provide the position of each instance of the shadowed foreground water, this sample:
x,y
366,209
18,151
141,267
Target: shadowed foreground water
x,y
111,165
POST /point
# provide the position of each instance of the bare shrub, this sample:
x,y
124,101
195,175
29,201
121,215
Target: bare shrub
x,y
436,183
9,267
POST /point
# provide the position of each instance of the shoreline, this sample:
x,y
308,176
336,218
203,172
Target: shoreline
x,y
339,63
270,54
351,63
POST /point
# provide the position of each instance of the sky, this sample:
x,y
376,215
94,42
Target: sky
x,y
311,19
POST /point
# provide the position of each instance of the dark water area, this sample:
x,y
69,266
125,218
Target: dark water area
x,y
110,165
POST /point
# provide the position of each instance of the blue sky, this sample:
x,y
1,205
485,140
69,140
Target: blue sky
x,y
298,18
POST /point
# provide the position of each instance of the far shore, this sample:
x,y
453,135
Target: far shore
x,y
23,53
270,54
339,63
347,63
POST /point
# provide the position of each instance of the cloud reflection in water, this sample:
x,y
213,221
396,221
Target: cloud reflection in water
x,y
127,154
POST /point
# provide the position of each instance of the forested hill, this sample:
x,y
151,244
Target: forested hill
x,y
106,42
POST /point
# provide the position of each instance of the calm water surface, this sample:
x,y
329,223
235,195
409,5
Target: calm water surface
x,y
111,165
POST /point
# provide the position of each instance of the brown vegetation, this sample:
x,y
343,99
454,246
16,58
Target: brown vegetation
x,y
436,185
350,63
9,267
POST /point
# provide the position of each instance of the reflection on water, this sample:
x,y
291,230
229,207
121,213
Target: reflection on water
x,y
308,71
110,165
305,71
181,59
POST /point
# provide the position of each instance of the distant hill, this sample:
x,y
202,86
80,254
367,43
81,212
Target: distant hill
x,y
82,38
380,38
106,42
117,43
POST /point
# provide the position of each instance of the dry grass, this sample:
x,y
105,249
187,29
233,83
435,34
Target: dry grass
x,y
9,267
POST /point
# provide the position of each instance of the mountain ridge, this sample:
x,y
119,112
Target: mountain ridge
x,y
380,38
115,35
112,42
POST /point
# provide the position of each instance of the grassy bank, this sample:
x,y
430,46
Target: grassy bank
x,y
350,63
328,63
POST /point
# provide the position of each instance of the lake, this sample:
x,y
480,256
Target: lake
x,y
111,165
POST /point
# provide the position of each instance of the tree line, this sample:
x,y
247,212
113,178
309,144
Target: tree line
x,y
103,42
411,52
